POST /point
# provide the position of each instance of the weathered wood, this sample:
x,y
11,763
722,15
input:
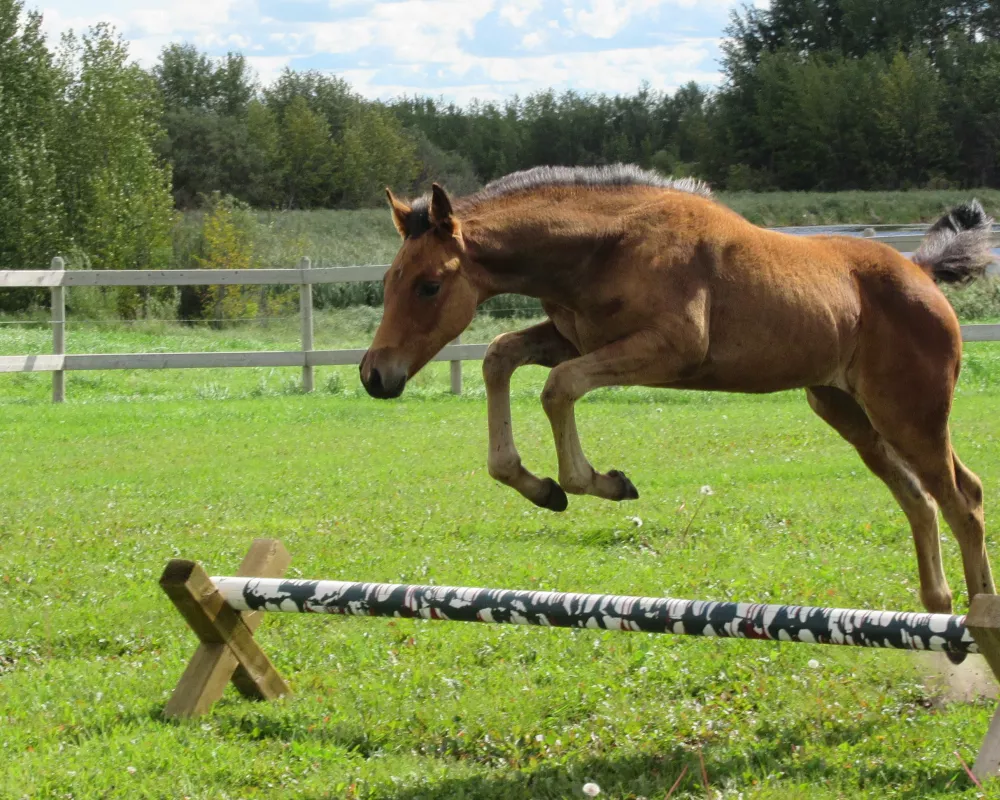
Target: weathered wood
x,y
981,333
189,277
987,762
306,311
227,650
278,358
58,332
983,622
456,372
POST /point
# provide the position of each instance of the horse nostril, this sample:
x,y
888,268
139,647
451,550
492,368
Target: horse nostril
x,y
374,385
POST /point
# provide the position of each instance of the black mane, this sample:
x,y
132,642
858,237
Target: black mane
x,y
544,177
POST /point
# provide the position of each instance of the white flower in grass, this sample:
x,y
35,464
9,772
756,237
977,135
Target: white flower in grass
x,y
591,789
813,663
706,490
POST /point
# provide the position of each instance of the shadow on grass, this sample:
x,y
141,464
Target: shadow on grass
x,y
777,757
653,776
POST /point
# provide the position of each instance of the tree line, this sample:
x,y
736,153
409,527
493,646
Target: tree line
x,y
96,153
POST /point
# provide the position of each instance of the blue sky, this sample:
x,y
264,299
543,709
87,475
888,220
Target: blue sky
x,y
458,49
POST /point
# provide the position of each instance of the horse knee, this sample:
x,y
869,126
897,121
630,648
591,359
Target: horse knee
x,y
560,390
498,363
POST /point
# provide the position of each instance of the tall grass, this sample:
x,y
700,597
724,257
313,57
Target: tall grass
x,y
779,209
332,238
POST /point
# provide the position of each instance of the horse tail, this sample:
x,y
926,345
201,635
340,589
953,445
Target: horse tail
x,y
956,248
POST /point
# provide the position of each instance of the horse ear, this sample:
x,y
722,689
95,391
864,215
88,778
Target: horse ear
x,y
442,216
400,212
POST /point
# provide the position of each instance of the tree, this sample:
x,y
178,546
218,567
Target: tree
x,y
115,193
264,172
308,156
206,106
188,78
32,226
373,153
913,137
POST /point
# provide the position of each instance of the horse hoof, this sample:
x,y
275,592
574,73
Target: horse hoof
x,y
628,492
554,498
956,658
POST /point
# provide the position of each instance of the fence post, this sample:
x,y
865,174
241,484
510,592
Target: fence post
x,y
456,372
58,331
306,310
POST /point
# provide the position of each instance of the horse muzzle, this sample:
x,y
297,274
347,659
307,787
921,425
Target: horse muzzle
x,y
382,384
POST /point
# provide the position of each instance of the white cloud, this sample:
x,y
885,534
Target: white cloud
x,y
604,19
432,46
268,68
413,30
532,41
665,67
516,12
152,25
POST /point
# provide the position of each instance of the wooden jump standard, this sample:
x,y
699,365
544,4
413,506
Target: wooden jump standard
x,y
225,612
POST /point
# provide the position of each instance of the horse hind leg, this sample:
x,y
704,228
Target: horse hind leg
x,y
847,417
915,423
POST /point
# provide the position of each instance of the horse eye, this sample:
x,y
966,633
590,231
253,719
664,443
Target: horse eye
x,y
428,289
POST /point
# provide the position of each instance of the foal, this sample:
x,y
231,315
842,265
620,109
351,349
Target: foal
x,y
649,282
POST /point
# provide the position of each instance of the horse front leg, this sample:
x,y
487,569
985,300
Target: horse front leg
x,y
640,359
542,345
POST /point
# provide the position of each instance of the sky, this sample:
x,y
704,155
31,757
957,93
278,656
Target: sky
x,y
455,49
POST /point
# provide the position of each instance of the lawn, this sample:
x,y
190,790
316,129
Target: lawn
x,y
141,467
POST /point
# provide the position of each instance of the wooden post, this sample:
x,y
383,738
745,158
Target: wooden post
x,y
227,650
983,622
456,372
58,332
306,310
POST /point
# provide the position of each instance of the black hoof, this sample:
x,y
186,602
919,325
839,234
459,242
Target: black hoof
x,y
956,658
629,492
554,498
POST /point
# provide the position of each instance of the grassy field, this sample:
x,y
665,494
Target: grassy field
x,y
338,238
140,467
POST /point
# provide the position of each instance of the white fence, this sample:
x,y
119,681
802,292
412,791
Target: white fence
x,y
58,279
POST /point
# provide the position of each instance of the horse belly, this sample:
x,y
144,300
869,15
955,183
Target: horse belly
x,y
770,351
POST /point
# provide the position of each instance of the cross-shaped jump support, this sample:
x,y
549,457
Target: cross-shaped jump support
x,y
227,650
983,622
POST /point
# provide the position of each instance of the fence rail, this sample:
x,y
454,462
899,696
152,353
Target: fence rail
x,y
300,276
58,279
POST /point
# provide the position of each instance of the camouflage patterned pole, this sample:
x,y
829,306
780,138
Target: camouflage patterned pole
x,y
888,629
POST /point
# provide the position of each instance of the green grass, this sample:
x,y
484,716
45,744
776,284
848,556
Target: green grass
x,y
99,493
867,208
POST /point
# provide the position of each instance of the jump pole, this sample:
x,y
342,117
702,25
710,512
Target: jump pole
x,y
224,612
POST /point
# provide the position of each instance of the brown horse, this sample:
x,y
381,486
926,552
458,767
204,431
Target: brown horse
x,y
649,282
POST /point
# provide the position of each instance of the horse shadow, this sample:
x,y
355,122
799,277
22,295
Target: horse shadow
x,y
683,769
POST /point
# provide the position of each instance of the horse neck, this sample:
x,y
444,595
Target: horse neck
x,y
539,259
